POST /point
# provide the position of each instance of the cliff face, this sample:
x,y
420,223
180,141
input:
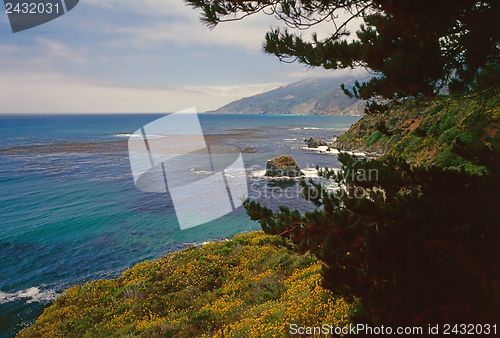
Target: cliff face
x,y
318,96
448,132
249,286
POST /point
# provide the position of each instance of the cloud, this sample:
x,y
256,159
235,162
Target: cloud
x,y
165,8
174,21
193,34
44,53
55,93
10,54
58,50
131,56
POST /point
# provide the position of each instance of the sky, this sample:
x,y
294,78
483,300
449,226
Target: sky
x,y
120,56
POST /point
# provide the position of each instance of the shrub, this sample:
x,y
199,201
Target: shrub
x,y
421,246
374,137
252,285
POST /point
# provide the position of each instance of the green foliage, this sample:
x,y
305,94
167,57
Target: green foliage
x,y
448,137
252,285
374,137
447,159
420,245
456,132
408,145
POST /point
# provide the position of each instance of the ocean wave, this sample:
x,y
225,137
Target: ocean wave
x,y
231,172
126,135
201,171
308,173
130,135
333,151
314,128
322,150
30,295
258,173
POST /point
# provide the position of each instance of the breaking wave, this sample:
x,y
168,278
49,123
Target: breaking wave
x,y
30,295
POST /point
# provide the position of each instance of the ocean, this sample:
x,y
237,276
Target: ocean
x,y
70,211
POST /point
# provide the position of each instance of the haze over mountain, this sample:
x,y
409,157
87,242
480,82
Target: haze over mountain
x,y
315,96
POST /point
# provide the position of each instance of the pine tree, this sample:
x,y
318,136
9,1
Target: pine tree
x,y
413,48
421,244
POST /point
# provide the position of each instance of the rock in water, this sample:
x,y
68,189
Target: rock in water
x,y
283,166
313,142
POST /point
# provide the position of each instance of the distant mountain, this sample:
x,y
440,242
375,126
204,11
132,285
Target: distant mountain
x,y
316,96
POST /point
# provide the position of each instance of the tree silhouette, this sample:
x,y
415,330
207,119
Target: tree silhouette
x,y
414,48
421,244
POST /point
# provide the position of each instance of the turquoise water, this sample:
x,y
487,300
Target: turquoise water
x,y
70,211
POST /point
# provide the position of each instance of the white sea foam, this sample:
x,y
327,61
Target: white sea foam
x,y
308,173
258,173
333,151
150,136
125,135
316,128
200,171
30,295
228,172
322,150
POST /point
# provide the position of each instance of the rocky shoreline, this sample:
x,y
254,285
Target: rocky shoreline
x,y
334,147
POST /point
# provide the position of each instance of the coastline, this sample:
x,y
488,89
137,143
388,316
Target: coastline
x,y
179,294
91,222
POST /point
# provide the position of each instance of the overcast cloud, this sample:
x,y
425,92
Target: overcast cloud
x,y
137,56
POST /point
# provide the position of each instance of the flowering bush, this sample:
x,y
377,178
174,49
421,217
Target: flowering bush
x,y
252,285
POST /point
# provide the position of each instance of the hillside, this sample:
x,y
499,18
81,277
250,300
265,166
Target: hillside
x,y
317,96
249,286
448,132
